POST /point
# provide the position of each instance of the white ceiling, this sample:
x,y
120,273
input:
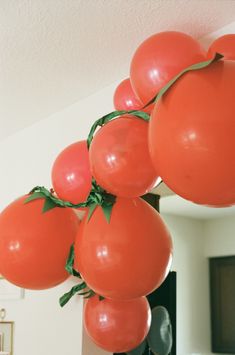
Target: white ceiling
x,y
53,53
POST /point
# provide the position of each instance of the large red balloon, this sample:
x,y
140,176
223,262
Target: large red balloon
x,y
71,175
224,45
128,257
161,57
125,98
117,326
120,159
192,134
33,245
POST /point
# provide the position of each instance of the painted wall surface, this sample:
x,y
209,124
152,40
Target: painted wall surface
x,y
193,327
41,326
219,237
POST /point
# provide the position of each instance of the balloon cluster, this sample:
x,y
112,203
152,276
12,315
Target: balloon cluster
x,y
122,251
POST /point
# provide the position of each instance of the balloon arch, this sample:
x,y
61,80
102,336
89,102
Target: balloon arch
x,y
174,121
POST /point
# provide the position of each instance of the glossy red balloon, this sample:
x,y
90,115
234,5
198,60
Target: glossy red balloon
x,y
125,98
117,326
128,257
224,45
33,245
120,159
192,134
161,57
71,175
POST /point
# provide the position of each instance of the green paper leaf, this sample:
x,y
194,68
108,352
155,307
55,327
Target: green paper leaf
x,y
101,298
74,290
34,196
107,209
91,211
70,260
140,114
49,205
70,263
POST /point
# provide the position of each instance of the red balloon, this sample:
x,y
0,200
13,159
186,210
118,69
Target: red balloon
x,y
120,159
71,175
161,57
117,326
125,98
128,257
192,134
33,245
224,45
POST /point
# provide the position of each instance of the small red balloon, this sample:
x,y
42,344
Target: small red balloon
x,y
224,45
128,257
117,326
33,245
71,175
191,135
120,159
125,98
161,57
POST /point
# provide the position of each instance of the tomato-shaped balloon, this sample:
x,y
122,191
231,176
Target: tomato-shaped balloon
x,y
192,134
71,175
125,98
120,159
128,257
224,45
161,57
33,245
117,326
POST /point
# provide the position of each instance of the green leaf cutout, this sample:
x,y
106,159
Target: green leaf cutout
x,y
49,204
107,209
74,290
70,263
34,196
91,210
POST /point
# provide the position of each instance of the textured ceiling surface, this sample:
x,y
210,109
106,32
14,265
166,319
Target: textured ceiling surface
x,y
54,53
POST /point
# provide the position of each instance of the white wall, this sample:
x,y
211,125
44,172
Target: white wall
x,y
41,326
193,327
220,237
